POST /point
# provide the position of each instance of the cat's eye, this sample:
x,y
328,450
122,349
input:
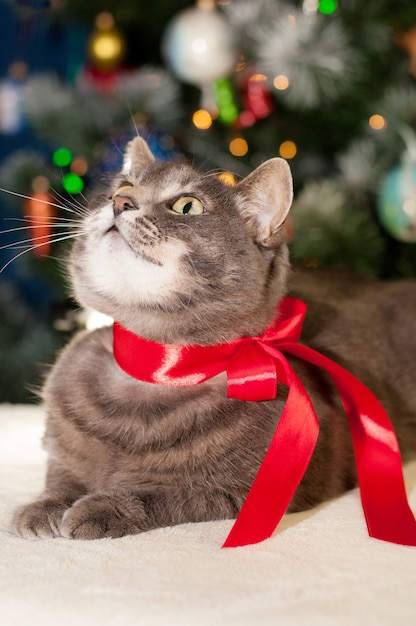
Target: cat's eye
x,y
188,205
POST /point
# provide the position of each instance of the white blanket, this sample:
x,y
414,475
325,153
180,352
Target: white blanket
x,y
319,568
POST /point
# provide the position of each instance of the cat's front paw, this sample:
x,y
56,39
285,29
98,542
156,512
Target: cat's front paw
x,y
39,520
97,517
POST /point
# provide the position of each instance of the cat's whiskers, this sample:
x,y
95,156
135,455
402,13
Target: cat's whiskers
x,y
71,205
27,197
29,220
83,208
62,227
211,173
36,224
79,208
46,239
78,212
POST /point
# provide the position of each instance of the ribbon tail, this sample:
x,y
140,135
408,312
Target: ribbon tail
x,y
379,465
283,467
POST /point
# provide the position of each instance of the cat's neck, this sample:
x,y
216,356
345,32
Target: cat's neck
x,y
179,365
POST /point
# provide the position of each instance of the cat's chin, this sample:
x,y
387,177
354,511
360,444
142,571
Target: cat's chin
x,y
137,251
110,274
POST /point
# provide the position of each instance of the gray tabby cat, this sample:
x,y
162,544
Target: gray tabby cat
x,y
179,257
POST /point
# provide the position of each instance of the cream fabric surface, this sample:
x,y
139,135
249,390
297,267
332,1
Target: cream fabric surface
x,y
319,568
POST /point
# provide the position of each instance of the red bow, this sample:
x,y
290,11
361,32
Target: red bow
x,y
254,365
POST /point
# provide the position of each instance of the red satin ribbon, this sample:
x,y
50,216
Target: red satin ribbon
x,y
254,365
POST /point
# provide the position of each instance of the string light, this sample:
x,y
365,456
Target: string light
x,y
106,48
377,122
238,146
104,20
257,78
72,183
227,178
62,157
281,82
202,119
79,166
327,7
40,184
288,149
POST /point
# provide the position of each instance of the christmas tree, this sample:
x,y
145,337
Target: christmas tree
x,y
328,85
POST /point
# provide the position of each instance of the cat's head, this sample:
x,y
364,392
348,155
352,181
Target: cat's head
x,y
181,257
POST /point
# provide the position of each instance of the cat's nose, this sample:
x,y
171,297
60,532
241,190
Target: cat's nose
x,y
122,203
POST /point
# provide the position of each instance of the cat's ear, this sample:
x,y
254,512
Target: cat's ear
x,y
265,198
136,156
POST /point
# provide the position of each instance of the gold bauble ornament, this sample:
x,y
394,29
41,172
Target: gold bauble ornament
x,y
106,46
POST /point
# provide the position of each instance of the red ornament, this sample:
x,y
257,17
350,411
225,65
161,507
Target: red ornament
x,y
104,82
39,212
256,98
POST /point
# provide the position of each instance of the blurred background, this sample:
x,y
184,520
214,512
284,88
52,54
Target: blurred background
x,y
327,84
